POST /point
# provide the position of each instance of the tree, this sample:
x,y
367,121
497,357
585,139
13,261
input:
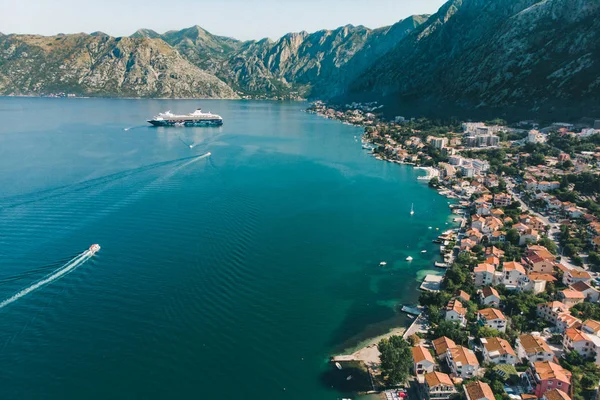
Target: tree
x,y
396,359
487,332
512,236
549,244
453,331
434,182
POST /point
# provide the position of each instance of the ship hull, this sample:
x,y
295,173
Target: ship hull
x,y
165,122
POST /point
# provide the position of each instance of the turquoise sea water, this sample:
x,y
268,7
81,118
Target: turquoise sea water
x,y
231,276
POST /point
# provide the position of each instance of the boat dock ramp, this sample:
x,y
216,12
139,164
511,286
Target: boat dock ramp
x,y
414,310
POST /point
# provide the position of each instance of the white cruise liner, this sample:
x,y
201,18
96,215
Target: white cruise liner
x,y
197,118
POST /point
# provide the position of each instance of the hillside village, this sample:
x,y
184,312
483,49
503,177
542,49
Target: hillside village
x,y
517,314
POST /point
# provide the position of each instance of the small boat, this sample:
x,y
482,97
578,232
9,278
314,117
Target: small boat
x,y
94,248
382,264
430,227
349,377
423,251
409,258
411,316
338,365
412,209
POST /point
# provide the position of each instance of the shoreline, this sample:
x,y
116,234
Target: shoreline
x,y
366,351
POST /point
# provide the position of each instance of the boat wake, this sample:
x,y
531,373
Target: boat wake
x,y
134,127
59,273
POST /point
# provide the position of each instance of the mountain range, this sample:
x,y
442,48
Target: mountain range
x,y
494,57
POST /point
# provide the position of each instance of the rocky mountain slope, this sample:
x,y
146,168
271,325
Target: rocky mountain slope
x,y
320,64
298,64
494,56
101,65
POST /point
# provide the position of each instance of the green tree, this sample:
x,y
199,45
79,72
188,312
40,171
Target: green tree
x,y
512,236
549,244
396,359
453,331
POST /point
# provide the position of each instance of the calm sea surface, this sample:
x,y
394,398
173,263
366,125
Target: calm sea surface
x,y
232,276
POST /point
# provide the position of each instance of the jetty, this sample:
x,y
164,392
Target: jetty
x,y
432,283
412,310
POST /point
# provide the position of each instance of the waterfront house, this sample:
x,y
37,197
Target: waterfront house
x,y
513,272
498,351
439,386
456,312
441,345
570,297
591,293
462,362
478,391
555,394
423,361
492,318
484,274
489,297
546,375
533,347
572,276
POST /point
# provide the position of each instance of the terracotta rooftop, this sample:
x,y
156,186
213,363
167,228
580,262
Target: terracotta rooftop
x,y
442,344
479,390
491,314
534,344
495,344
463,356
572,294
577,274
463,295
489,291
484,268
421,354
536,276
437,379
580,286
575,335
593,326
549,370
455,305
555,394
514,266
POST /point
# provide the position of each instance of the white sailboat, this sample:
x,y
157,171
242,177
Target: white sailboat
x,y
412,209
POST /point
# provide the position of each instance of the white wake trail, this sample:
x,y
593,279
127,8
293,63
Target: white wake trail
x,y
62,271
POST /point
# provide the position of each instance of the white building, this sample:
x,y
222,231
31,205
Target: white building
x,y
498,351
533,347
462,362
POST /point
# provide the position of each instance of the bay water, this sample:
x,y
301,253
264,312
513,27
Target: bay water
x,y
232,276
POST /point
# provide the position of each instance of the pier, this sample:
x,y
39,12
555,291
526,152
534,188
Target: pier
x,y
432,283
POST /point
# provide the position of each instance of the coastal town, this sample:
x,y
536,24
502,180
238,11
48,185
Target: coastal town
x,y
514,312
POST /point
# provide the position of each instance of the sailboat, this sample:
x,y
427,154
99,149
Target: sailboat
x,y
412,209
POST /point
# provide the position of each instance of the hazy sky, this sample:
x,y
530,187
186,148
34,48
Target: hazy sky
x,y
242,19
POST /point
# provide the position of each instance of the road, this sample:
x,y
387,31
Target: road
x,y
554,228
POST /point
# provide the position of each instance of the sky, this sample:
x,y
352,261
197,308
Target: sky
x,y
241,19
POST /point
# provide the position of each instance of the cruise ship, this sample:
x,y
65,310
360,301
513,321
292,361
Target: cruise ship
x,y
197,118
